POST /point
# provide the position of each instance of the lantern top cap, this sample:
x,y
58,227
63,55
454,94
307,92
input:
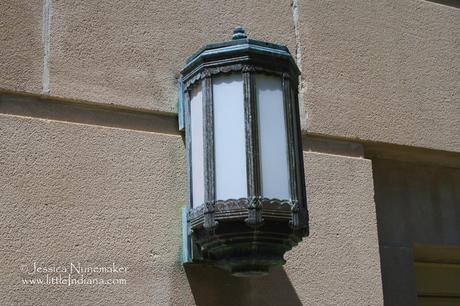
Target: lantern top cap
x,y
238,33
239,47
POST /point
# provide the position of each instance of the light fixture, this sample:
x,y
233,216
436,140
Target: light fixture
x,y
247,201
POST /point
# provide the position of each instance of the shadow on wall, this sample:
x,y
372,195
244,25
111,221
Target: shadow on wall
x,y
454,3
213,286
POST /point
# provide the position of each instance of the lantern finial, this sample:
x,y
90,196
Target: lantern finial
x,y
238,33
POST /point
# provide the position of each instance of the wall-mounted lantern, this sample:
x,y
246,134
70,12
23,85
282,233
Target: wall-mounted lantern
x,y
247,203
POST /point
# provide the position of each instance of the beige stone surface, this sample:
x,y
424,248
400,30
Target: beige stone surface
x,y
130,52
339,263
92,195
95,196
382,71
21,50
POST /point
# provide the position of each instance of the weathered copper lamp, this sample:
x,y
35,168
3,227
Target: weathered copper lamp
x,y
247,203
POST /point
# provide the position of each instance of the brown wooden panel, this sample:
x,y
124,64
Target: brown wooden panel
x,y
437,279
438,301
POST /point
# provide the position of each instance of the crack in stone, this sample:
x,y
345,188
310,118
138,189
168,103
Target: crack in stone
x,y
298,58
46,45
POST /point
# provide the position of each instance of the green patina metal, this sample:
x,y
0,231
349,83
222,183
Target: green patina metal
x,y
249,235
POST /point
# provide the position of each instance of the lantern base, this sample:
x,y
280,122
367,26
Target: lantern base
x,y
244,251
245,239
241,261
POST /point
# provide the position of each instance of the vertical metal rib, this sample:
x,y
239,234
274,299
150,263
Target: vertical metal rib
x,y
298,149
297,221
252,135
300,175
209,160
288,117
188,145
252,148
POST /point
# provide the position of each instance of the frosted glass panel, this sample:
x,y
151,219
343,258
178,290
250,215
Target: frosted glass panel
x,y
196,126
229,137
272,138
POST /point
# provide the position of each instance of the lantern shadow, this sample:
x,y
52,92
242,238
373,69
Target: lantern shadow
x,y
212,286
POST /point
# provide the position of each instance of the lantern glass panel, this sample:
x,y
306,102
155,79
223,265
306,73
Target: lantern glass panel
x,y
272,137
229,137
196,126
